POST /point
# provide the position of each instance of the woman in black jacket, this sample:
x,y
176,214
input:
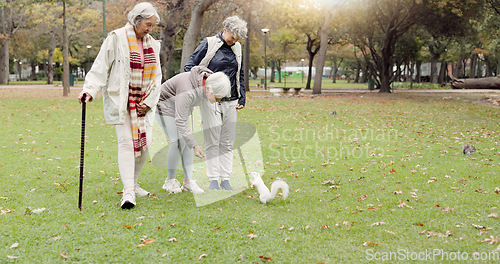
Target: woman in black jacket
x,y
222,53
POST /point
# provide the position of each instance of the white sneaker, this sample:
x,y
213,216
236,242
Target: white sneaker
x,y
128,200
172,185
191,186
140,191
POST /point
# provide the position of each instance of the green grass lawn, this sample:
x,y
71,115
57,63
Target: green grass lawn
x,y
385,177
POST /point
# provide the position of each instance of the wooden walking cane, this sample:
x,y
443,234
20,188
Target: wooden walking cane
x,y
82,152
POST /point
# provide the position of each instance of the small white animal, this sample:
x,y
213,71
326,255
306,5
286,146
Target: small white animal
x,y
467,149
265,194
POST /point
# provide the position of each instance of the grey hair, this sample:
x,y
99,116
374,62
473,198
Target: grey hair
x,y
141,11
218,83
236,25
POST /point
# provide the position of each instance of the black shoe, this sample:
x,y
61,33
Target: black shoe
x,y
226,186
214,185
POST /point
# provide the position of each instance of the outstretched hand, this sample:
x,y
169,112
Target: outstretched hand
x,y
238,106
198,152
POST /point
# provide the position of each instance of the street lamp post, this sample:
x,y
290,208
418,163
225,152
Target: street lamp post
x,y
265,30
302,69
103,20
88,57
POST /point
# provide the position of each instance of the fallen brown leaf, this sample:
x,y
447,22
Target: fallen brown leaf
x,y
368,243
127,226
266,258
491,240
63,255
494,215
447,209
146,242
252,236
202,256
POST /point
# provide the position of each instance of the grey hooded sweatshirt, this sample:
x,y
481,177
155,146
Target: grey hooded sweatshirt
x,y
179,95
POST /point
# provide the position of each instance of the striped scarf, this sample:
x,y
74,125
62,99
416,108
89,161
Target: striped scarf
x,y
142,78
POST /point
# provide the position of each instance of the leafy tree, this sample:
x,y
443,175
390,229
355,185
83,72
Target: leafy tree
x,y
14,15
194,29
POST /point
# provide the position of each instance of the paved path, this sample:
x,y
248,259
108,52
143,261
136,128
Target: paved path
x,y
400,90
323,91
39,86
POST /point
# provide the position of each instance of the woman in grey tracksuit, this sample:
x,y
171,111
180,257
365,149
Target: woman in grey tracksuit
x,y
222,53
178,96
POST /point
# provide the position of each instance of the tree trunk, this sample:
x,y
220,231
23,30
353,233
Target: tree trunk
x,y
364,78
66,70
418,70
4,60
479,72
5,33
50,70
498,64
168,36
320,64
167,45
458,68
358,71
273,71
19,70
473,62
334,70
386,67
33,76
278,69
434,70
442,72
312,50
475,83
309,72
194,29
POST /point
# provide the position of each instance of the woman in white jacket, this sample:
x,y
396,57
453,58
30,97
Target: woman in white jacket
x,y
127,70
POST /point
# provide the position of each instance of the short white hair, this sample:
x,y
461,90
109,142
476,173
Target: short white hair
x,y
141,11
236,25
218,83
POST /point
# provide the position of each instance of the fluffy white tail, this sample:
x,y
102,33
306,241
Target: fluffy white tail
x,y
279,184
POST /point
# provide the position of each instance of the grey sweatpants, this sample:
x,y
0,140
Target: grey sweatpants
x,y
219,131
178,149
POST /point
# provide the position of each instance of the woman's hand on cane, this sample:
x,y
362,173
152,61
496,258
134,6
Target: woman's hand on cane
x,y
87,97
198,152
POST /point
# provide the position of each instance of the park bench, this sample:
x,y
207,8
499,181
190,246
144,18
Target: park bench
x,y
285,90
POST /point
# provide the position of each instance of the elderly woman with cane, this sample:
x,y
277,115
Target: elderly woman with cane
x,y
127,70
222,53
179,95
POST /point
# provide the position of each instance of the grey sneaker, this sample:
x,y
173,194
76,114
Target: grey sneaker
x,y
140,192
128,200
191,186
172,185
226,186
214,185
